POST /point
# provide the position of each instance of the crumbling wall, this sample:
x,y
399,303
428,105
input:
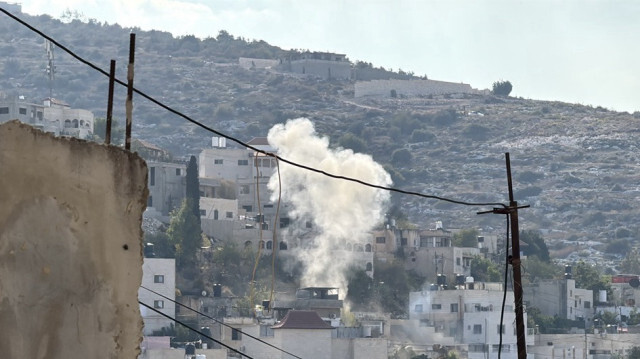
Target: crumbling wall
x,y
70,246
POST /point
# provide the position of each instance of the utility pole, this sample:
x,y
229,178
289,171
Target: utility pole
x,y
514,260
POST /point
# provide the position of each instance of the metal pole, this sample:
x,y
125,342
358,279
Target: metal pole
x,y
112,78
129,103
515,264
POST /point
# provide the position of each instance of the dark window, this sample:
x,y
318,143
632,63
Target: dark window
x,y
178,172
458,261
217,162
418,308
587,304
158,278
152,176
22,111
369,267
39,115
283,246
159,304
215,214
367,248
247,208
436,306
4,110
229,214
203,212
403,241
268,206
380,239
284,222
269,245
150,201
243,162
236,334
477,329
454,307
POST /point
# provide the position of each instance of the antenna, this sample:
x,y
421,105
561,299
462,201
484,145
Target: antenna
x,y
51,68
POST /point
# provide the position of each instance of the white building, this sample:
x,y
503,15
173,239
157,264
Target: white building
x,y
561,298
53,116
471,317
167,186
159,275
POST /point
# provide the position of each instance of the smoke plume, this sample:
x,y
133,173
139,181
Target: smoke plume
x,y
342,212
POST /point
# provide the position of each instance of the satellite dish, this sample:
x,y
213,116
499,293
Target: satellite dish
x,y
204,293
634,282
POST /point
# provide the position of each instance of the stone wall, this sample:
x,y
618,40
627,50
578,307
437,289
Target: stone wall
x,y
70,246
409,88
321,68
252,63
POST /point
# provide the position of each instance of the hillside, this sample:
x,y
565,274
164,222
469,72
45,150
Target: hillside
x,y
577,166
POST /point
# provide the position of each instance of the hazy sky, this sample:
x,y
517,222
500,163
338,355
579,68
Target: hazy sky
x,y
575,51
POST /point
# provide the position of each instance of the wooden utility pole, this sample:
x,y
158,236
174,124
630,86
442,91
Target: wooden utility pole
x,y
112,78
129,103
514,260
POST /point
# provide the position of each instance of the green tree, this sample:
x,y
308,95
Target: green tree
x,y
535,269
401,156
162,245
502,88
485,270
193,187
618,246
185,234
631,262
466,238
535,245
100,131
588,277
353,142
359,288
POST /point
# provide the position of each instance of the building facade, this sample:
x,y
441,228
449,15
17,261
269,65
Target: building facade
x,y
159,275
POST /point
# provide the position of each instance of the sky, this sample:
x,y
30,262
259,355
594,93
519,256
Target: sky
x,y
581,51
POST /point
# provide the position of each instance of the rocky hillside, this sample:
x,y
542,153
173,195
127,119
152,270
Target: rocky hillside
x,y
577,166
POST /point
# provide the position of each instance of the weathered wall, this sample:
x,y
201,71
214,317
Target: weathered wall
x,y
70,247
409,88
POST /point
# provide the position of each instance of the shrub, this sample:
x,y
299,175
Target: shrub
x,y
502,88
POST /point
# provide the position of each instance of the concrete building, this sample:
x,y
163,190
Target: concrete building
x,y
159,275
167,186
409,88
324,65
53,116
471,317
561,298
589,346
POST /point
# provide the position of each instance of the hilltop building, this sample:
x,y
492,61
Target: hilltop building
x,y
53,116
325,65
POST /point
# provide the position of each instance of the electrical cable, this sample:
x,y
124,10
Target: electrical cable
x,y
504,294
240,142
219,322
195,330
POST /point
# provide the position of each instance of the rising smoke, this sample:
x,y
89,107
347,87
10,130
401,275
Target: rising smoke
x,y
342,212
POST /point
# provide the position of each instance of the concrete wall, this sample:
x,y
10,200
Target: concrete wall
x,y
70,247
159,275
409,88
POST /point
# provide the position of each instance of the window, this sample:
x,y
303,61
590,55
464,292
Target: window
x,y
215,214
39,115
587,304
203,213
236,334
367,248
369,267
418,308
436,306
247,208
269,245
22,111
458,261
380,239
454,307
229,214
243,162
477,329
150,201
284,222
245,189
283,246
4,110
500,329
217,162
178,172
268,206
403,241
152,176
158,278
158,304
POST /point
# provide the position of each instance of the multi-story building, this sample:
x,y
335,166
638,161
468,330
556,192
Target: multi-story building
x,y
560,298
471,317
167,186
52,116
159,275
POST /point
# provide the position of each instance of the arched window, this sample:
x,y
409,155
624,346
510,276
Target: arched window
x,y
367,248
67,123
75,123
283,246
369,267
247,244
269,245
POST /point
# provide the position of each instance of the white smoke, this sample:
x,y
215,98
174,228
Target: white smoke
x,y
341,211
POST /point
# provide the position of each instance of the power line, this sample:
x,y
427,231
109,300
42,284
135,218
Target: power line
x,y
219,322
195,330
240,142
